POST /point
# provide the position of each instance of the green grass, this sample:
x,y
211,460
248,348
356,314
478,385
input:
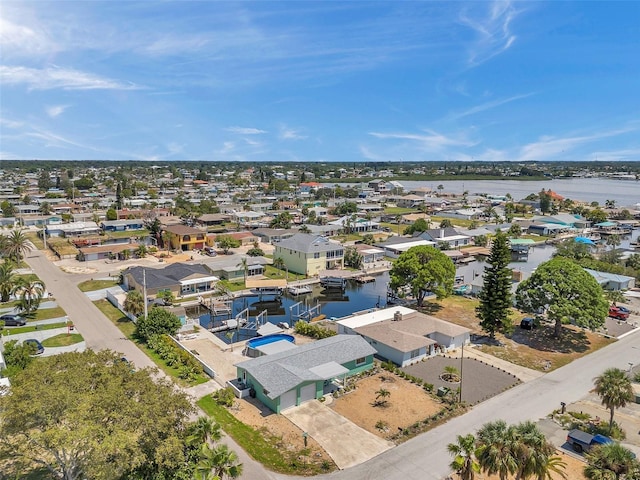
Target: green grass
x,y
32,328
460,222
128,328
11,304
36,240
272,272
29,277
46,314
91,285
233,286
399,210
254,442
62,340
128,233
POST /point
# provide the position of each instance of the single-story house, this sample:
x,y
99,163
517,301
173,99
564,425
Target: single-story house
x,y
122,225
245,238
548,228
213,219
74,229
370,254
446,235
355,224
102,252
178,278
325,230
291,377
394,246
273,235
404,336
231,268
612,281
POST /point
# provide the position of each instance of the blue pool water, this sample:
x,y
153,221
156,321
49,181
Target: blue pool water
x,y
259,341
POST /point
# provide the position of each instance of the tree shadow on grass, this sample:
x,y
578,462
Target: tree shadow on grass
x,y
542,339
430,308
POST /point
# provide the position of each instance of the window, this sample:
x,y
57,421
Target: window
x,y
316,255
361,361
415,353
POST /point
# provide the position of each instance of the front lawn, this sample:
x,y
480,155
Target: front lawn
x,y
62,340
8,331
128,233
128,328
399,210
47,313
272,272
536,349
91,285
258,444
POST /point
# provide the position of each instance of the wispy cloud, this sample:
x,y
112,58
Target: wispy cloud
x,y
25,39
493,30
287,133
55,110
430,141
10,123
486,106
549,147
245,130
56,77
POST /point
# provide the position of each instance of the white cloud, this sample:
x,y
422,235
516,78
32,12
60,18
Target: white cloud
x,y
431,141
486,106
287,133
54,110
245,130
10,123
493,31
22,38
56,77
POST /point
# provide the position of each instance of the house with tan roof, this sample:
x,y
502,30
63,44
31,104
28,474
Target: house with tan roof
x,y
405,336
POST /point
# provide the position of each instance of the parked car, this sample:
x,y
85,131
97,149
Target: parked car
x,y
582,441
615,312
13,320
622,308
210,251
39,349
528,323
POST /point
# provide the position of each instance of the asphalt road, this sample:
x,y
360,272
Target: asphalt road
x,y
98,331
424,457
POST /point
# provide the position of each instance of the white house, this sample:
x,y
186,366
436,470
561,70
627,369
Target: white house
x,y
405,336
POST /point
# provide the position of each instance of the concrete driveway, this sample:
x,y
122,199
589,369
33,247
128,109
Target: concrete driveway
x,y
344,441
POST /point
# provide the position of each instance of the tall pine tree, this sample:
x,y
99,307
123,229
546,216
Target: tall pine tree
x,y
495,298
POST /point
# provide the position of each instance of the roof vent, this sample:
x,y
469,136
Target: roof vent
x,y
397,316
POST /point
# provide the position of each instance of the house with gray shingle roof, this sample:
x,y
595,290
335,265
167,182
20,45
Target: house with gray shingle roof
x,y
294,376
178,278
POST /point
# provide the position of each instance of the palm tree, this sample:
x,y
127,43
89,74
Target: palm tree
x,y
29,295
464,462
304,229
141,251
8,280
218,462
495,452
278,263
17,245
245,268
535,454
381,397
451,374
203,430
611,461
614,389
134,303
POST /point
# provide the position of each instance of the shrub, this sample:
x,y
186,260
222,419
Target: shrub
x,y
224,396
313,331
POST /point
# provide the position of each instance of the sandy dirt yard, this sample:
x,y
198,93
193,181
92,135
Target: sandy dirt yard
x,y
573,470
406,404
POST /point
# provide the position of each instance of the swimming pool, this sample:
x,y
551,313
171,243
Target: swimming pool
x,y
254,343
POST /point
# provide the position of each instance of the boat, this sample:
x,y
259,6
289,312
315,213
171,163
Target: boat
x,y
301,290
333,282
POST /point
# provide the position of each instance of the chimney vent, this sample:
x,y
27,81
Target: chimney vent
x,y
397,316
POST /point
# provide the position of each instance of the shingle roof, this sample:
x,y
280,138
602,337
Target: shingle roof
x,y
307,243
169,276
280,372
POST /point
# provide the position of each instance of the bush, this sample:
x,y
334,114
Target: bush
x,y
224,396
157,322
174,356
313,331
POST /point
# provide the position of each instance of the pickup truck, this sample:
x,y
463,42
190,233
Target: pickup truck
x,y
619,313
582,441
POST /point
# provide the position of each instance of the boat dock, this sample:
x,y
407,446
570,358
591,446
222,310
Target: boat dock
x,y
365,279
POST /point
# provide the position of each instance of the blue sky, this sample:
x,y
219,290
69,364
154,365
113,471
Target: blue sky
x,y
320,81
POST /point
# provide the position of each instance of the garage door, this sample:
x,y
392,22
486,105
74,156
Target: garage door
x,y
288,399
308,392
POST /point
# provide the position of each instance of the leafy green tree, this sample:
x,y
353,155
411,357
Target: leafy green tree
x,y
44,181
446,223
17,356
45,208
8,280
8,209
255,252
572,250
424,269
515,230
545,201
226,243
614,389
282,220
419,226
611,461
494,310
596,215
111,214
87,415
134,303
566,293
464,461
352,257
158,322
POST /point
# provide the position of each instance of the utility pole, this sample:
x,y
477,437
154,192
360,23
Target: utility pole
x,y
461,365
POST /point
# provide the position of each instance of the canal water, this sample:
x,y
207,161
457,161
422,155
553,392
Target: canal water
x,y
358,297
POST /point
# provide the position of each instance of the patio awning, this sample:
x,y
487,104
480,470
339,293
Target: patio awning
x,y
329,370
586,240
195,281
